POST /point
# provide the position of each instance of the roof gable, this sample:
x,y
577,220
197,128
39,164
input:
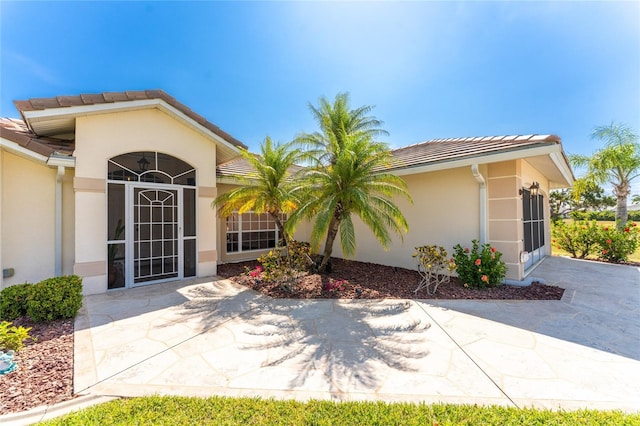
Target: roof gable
x,y
53,119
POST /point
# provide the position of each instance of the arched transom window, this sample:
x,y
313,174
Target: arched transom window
x,y
151,167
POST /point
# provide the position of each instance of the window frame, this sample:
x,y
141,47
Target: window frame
x,y
245,218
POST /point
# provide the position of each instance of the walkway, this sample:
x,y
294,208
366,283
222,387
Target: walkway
x,y
216,338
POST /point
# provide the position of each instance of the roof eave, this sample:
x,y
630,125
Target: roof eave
x,y
554,151
33,117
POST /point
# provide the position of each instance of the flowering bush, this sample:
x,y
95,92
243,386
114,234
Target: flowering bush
x,y
582,239
616,246
283,265
480,266
433,266
578,238
334,286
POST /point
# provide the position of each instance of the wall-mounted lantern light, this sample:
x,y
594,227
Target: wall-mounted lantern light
x,y
534,189
143,164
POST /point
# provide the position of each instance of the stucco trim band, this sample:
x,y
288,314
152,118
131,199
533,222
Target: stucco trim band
x,y
90,269
82,184
207,192
207,256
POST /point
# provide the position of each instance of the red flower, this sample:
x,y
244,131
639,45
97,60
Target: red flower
x,y
608,241
478,262
466,250
626,229
606,228
493,249
485,278
605,251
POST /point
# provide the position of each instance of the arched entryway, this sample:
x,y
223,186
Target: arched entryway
x,y
151,216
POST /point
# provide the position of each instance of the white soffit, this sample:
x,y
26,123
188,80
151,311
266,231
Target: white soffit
x,y
56,121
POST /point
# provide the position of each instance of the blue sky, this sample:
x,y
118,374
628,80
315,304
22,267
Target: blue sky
x,y
433,69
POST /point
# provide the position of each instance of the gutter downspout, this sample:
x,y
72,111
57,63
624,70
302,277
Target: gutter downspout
x,y
483,202
58,231
61,162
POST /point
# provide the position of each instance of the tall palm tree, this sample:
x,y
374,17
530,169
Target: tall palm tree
x,y
618,163
346,178
337,121
268,189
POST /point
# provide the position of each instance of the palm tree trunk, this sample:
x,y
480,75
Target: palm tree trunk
x,y
621,192
621,212
281,231
334,225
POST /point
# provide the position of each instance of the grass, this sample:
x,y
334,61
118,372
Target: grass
x,y
634,257
173,410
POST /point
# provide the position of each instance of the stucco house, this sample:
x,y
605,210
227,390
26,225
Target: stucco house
x,y
117,188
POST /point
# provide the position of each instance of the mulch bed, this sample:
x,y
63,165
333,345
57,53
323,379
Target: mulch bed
x,y
45,367
372,281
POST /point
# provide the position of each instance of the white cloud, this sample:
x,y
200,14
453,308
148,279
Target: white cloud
x,y
22,64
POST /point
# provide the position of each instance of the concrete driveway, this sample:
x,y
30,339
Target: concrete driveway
x,y
208,337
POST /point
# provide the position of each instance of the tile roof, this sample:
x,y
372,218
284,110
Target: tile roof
x,y
36,104
239,167
429,152
443,150
16,131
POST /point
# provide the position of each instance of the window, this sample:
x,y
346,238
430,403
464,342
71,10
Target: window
x,y
533,209
251,231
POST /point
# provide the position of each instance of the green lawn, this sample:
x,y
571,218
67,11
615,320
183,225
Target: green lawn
x,y
253,411
635,257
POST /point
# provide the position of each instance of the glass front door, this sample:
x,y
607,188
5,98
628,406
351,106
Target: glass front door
x,y
157,223
151,219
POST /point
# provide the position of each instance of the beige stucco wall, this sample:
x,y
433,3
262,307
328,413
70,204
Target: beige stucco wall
x,y
505,214
100,137
445,212
28,219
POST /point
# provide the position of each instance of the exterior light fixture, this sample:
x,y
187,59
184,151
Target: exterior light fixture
x,y
143,163
534,189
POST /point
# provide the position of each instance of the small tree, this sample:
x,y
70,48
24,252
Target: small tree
x,y
268,189
583,196
346,178
618,163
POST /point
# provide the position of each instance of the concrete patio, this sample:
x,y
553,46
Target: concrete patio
x,y
206,337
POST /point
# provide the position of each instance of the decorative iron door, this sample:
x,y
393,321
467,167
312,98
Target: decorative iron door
x,y
156,234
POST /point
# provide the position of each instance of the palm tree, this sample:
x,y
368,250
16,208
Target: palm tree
x,y
346,178
618,163
268,189
336,121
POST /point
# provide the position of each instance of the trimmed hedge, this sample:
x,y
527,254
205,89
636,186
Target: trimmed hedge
x,y
55,298
607,215
13,301
48,300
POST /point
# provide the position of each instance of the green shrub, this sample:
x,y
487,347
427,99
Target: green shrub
x,y
605,215
284,265
434,267
480,266
13,301
578,238
12,338
55,298
616,246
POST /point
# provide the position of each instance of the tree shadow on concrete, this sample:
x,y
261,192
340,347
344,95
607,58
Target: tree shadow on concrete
x,y
352,345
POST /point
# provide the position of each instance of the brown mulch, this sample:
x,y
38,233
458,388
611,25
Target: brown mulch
x,y
45,367
372,281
